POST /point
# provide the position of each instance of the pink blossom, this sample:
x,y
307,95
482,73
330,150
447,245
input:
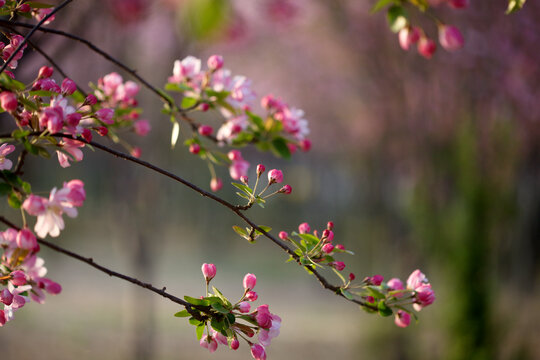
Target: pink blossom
x,y
426,47
257,351
328,248
205,130
136,152
286,189
244,179
6,149
251,296
328,235
340,247
216,184
18,277
52,118
194,148
76,194
209,343
90,100
352,276
8,100
209,271
71,147
102,130
73,119
305,145
330,225
293,122
235,155
26,240
45,72
260,169
338,265
86,134
244,307
34,205
111,82
424,296
215,62
105,115
416,279
40,14
235,344
68,86
241,93
275,176
250,281
407,36
230,129
2,318
238,169
126,92
266,335
25,8
50,286
283,235
263,317
6,297
450,37
402,319
188,68
376,280
220,338
304,228
142,127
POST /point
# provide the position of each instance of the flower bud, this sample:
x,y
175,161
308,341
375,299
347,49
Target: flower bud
x,y
204,107
18,278
136,152
257,351
73,119
286,189
45,72
338,265
209,343
251,296
18,302
215,62
209,271
34,205
142,127
86,134
305,145
235,344
52,287
102,130
407,36
244,179
424,295
330,225
304,228
328,235
260,169
244,307
450,37
105,115
376,280
205,130
25,8
403,319
90,100
458,4
340,247
194,148
283,235
395,284
68,86
2,318
275,176
426,47
250,281
352,277
8,101
370,299
216,184
6,297
328,248
235,155
416,279
26,240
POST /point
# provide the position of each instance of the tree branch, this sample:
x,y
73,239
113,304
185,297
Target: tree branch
x,y
34,29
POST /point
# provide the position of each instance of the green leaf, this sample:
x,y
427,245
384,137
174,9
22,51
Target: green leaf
x,y
5,189
375,292
255,119
514,6
279,146
19,134
265,228
379,5
28,105
195,301
14,201
220,308
41,93
347,294
27,188
384,310
78,96
397,18
183,313
177,87
188,102
240,231
174,134
231,318
243,187
218,325
205,18
222,297
200,331
309,239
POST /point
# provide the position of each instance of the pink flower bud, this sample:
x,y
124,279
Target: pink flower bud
x,y
260,169
73,119
328,248
370,299
244,179
220,338
6,297
68,86
338,265
257,351
244,307
458,4
263,317
235,344
352,277
18,278
2,318
26,240
250,281
283,235
25,8
45,72
204,107
376,280
286,189
426,47
105,115
235,155
209,271
142,127
275,176
90,100
205,130
86,134
408,36
292,148
209,343
403,319
102,130
305,145
18,302
304,228
450,37
424,295
251,296
340,247
136,152
216,184
328,235
8,101
194,148
330,225
215,62
395,284
416,279
34,205
52,287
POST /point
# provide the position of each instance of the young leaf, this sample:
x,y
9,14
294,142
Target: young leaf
x,y
243,187
384,310
174,134
240,231
188,102
379,5
183,313
220,308
279,146
514,6
200,330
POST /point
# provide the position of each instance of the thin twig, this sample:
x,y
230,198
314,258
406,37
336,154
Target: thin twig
x,y
34,29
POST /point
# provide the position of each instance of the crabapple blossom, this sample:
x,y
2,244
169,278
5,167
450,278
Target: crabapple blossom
x,y
304,228
209,271
205,130
249,282
186,69
424,296
286,189
275,176
407,36
8,100
283,235
45,72
194,148
6,149
215,62
216,184
402,319
260,169
416,279
208,342
328,248
235,344
105,115
68,86
26,240
258,352
18,277
450,37
244,307
338,265
252,296
71,147
6,297
395,284
142,127
426,47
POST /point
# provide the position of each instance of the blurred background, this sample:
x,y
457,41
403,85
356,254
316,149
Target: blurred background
x,y
420,164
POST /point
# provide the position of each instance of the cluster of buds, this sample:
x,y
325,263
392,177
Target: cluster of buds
x,y
450,37
9,49
275,176
27,9
218,320
282,129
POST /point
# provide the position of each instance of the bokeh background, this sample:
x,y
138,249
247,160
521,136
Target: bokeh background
x,y
420,164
